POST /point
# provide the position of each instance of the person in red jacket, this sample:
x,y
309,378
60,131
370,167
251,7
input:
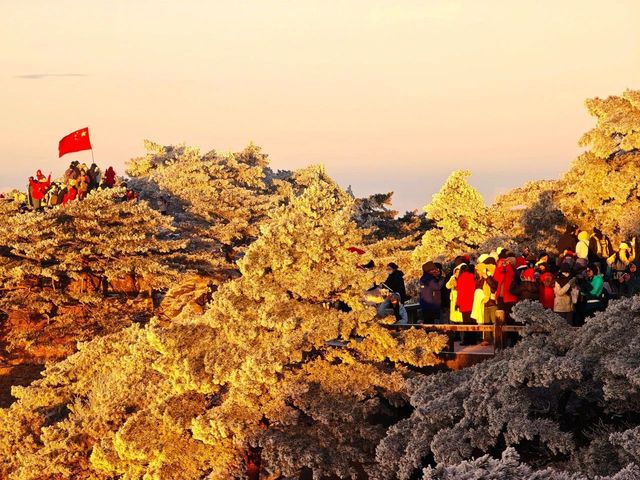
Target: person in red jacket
x,y
504,276
546,284
466,287
109,178
71,193
38,188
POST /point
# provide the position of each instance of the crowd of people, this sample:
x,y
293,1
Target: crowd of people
x,y
575,282
77,182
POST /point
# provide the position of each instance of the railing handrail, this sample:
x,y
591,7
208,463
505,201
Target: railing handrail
x,y
453,327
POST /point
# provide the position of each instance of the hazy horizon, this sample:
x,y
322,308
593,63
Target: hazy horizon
x,y
390,96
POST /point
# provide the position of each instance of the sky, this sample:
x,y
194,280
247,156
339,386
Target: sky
x,y
388,95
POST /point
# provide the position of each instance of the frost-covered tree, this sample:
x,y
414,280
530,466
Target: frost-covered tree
x,y
529,215
618,125
601,188
57,266
460,217
216,198
101,236
375,213
510,467
271,374
268,360
561,397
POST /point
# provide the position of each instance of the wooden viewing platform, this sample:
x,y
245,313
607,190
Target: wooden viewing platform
x,y
498,329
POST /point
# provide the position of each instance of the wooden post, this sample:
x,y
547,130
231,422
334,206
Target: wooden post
x,y
451,344
498,334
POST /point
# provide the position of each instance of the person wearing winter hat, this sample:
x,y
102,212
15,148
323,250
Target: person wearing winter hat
x,y
71,193
395,281
521,260
484,302
582,247
525,284
544,258
600,245
466,289
546,283
625,254
619,263
393,306
504,276
452,285
591,291
483,257
431,284
38,188
562,289
109,178
95,176
567,257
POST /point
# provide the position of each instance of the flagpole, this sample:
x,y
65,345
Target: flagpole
x,y
93,160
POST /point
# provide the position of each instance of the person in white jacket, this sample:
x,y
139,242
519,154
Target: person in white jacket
x,y
563,300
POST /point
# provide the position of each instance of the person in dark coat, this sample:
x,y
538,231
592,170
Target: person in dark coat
x,y
568,240
395,281
95,176
431,284
525,284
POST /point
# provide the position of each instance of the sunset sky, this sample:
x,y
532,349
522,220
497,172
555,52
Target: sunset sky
x,y
389,95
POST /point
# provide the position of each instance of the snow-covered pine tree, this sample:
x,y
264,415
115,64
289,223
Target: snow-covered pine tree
x,y
601,188
461,221
254,377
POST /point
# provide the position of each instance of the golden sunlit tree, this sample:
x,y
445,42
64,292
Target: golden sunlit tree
x,y
461,221
273,376
61,270
601,188
217,200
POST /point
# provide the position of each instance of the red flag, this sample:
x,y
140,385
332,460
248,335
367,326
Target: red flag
x,y
75,142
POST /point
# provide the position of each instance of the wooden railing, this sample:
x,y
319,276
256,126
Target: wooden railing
x,y
499,330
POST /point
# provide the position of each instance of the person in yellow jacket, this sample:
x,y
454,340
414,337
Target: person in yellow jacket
x,y
484,303
483,292
454,314
582,248
619,263
624,256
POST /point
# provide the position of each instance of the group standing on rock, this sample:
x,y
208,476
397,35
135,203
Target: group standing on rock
x,y
575,282
77,182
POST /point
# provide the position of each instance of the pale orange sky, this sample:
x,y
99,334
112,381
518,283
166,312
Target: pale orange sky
x,y
389,95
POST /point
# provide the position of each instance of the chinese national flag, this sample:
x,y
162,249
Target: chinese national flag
x,y
75,142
